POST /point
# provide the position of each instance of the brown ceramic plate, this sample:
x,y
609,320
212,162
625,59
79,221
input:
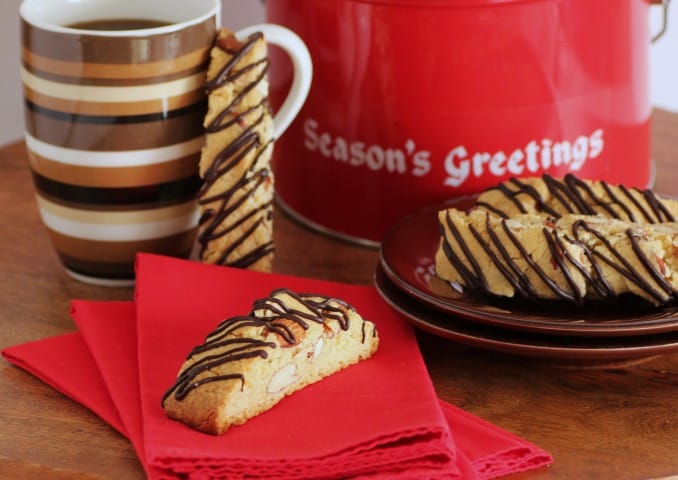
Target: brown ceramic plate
x,y
557,349
407,259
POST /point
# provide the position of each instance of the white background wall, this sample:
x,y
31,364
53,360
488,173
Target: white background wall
x,y
239,13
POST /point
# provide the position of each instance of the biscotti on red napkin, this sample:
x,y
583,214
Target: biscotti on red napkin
x,y
377,419
249,363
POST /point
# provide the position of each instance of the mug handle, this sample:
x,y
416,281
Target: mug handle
x,y
302,67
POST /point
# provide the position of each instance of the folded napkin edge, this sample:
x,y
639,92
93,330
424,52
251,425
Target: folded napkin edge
x,y
7,353
431,436
512,460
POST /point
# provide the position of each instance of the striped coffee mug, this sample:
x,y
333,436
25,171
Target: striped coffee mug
x,y
114,106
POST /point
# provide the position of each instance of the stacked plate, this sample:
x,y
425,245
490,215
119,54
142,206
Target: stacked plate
x,y
588,335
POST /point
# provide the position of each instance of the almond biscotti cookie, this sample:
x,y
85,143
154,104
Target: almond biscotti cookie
x,y
236,198
523,256
250,363
574,257
641,259
571,195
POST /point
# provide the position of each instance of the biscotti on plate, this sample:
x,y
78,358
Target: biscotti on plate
x,y
554,197
508,257
249,363
574,257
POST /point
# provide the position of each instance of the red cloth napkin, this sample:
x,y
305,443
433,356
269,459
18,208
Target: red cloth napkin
x,y
491,451
381,415
108,329
65,364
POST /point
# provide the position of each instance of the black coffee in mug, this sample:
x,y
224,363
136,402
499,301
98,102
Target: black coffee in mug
x,y
118,24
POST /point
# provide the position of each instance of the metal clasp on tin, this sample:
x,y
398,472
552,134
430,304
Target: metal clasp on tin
x,y
665,18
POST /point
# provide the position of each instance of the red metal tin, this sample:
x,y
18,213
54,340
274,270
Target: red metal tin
x,y
414,102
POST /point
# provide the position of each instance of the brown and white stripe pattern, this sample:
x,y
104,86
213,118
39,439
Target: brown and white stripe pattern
x,y
114,133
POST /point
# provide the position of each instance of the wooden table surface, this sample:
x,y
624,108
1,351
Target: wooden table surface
x,y
614,423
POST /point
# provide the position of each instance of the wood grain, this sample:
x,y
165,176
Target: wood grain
x,y
617,423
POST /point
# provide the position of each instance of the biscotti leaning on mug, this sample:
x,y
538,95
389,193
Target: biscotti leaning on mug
x,y
236,199
250,363
570,239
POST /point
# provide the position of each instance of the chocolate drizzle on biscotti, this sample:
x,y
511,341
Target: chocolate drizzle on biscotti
x,y
318,308
574,195
613,258
600,252
232,340
474,277
248,144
